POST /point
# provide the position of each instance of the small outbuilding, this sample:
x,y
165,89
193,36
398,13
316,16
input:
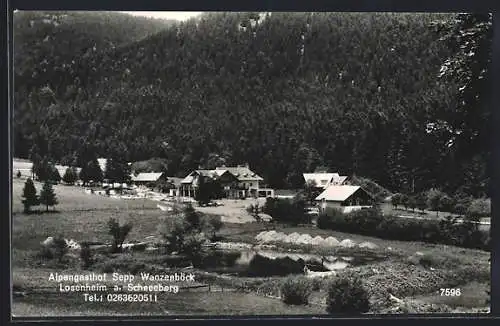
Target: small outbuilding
x,y
346,198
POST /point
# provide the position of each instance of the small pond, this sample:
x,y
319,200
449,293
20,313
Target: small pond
x,y
250,262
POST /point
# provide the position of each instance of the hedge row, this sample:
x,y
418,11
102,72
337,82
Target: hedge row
x,y
372,222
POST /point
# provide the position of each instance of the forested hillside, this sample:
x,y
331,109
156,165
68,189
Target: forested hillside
x,y
49,44
285,92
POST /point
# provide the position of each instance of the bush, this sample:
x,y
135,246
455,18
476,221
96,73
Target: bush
x,y
60,248
193,247
366,220
45,253
434,199
479,207
192,219
183,234
396,200
119,234
372,222
287,211
174,234
329,218
215,223
214,258
347,296
86,256
296,290
254,210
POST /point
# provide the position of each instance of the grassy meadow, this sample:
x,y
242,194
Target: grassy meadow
x,y
83,217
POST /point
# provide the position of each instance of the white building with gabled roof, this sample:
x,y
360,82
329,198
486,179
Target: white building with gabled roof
x,y
345,198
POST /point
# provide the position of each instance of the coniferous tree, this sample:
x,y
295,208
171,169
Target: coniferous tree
x,y
29,195
91,172
48,196
310,106
55,176
70,175
117,170
421,202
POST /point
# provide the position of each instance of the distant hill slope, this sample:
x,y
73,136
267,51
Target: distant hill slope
x,y
47,43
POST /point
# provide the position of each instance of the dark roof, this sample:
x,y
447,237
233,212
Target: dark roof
x,y
243,173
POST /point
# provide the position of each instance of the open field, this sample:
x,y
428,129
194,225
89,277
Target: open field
x,y
232,211
186,303
83,217
428,215
473,295
74,198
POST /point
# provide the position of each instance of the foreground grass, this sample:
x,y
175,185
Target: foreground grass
x,y
186,303
473,295
84,218
42,299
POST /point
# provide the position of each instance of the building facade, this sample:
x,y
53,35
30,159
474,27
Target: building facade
x,y
344,198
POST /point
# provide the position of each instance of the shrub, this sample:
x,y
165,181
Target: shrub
x,y
193,247
296,290
60,248
366,220
461,203
434,199
254,210
446,203
323,221
421,202
372,222
479,207
396,200
119,234
287,211
45,253
405,200
193,220
215,223
183,235
347,296
412,202
86,256
330,217
174,234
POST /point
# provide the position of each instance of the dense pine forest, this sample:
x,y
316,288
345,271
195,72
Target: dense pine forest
x,y
379,95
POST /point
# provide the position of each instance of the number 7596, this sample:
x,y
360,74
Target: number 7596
x,y
447,292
